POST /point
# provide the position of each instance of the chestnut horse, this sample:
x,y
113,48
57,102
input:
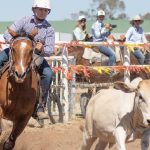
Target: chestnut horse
x,y
19,88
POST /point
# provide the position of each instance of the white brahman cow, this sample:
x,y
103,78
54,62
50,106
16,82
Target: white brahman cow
x,y
118,116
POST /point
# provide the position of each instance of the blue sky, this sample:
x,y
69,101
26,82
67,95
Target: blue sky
x,y
11,10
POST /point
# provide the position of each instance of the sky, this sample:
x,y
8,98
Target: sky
x,y
11,10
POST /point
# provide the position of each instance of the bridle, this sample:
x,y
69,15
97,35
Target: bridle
x,y
11,61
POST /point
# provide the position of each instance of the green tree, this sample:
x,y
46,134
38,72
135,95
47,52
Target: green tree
x,y
114,9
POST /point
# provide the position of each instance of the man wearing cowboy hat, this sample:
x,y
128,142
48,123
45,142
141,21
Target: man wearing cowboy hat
x,y
135,34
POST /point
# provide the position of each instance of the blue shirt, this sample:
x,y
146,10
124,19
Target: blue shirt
x,y
99,33
45,34
135,35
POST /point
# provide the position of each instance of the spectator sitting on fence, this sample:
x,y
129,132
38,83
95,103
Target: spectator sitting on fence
x,y
135,34
100,32
80,33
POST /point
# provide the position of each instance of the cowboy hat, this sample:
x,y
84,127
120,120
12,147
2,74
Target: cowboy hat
x,y
137,17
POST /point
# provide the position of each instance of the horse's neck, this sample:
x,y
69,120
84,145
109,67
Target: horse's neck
x,y
3,69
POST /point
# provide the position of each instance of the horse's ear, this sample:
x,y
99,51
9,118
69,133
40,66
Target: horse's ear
x,y
33,33
13,33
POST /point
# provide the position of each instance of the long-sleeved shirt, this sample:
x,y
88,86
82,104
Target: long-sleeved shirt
x,y
45,34
79,34
98,32
135,35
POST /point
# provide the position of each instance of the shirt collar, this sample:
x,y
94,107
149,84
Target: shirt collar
x,y
43,23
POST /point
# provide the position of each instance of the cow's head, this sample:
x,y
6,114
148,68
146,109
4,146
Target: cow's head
x,y
142,100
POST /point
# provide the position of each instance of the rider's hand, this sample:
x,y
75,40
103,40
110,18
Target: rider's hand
x,y
39,47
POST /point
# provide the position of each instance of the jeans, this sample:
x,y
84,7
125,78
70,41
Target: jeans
x,y
4,57
46,75
110,53
44,71
139,55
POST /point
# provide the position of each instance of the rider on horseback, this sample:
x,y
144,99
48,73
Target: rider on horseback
x,y
45,40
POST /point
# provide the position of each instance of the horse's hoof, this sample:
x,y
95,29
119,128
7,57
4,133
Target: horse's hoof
x,y
8,145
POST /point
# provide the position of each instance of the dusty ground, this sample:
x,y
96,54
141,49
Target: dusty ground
x,y
66,136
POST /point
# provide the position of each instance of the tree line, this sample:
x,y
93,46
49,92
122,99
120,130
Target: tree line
x,y
114,9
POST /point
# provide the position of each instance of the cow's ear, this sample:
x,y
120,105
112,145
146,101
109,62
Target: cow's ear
x,y
124,87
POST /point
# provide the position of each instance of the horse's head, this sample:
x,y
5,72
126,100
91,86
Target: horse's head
x,y
21,57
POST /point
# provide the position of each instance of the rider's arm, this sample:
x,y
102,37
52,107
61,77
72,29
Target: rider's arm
x,y
49,42
16,27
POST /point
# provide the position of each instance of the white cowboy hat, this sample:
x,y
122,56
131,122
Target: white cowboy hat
x,y
137,17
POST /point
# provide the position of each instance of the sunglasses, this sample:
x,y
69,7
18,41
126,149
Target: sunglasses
x,y
101,16
83,20
137,20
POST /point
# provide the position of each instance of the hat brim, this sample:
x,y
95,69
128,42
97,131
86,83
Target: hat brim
x,y
132,21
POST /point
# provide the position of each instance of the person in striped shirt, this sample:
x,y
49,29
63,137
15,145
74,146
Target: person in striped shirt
x,y
45,40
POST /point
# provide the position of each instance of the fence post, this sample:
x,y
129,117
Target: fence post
x,y
72,91
65,83
127,64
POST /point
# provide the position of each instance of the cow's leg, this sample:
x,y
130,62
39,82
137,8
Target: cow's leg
x,y
120,136
145,140
101,145
18,127
87,143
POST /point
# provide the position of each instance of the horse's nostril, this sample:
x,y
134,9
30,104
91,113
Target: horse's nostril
x,y
148,121
23,74
19,75
16,73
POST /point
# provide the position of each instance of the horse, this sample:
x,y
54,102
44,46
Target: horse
x,y
19,87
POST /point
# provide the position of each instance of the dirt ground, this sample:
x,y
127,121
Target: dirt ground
x,y
67,136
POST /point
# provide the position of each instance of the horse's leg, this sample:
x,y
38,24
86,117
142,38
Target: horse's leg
x,y
18,127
